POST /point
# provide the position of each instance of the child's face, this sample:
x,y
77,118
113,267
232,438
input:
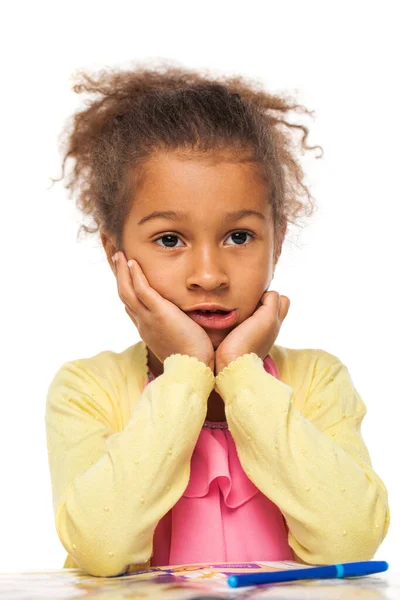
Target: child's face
x,y
203,261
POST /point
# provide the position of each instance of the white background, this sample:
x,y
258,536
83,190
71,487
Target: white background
x,y
59,299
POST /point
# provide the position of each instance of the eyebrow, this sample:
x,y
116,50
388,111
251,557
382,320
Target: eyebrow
x,y
180,215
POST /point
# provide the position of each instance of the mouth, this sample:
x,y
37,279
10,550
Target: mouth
x,y
214,319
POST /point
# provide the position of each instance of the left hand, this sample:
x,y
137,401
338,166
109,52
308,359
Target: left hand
x,y
257,333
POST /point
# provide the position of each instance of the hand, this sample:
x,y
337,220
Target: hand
x,y
162,325
257,333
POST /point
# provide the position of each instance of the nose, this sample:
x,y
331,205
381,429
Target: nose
x,y
207,270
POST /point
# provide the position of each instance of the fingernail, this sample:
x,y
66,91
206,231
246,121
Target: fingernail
x,y
130,262
115,257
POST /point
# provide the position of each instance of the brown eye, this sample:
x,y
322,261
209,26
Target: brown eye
x,y
242,235
169,237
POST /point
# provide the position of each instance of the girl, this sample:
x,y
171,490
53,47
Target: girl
x,y
205,441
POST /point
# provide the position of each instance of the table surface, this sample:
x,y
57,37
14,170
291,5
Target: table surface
x,y
190,584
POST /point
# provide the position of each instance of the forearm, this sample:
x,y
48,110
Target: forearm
x,y
335,505
109,512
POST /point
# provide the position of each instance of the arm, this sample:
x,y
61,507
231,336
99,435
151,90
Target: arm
x,y
314,466
110,487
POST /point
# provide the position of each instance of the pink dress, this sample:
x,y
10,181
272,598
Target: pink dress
x,y
222,516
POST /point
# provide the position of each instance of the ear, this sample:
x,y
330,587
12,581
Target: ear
x,y
110,248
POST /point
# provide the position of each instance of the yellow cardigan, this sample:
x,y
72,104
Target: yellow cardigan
x,y
119,457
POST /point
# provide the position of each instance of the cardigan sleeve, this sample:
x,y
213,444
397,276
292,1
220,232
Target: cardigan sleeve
x,y
314,465
110,488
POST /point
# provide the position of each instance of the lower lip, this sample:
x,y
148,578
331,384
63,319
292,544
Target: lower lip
x,y
214,321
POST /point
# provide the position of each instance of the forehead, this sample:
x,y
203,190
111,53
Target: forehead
x,y
186,178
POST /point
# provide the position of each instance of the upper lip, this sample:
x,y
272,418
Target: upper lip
x,y
209,307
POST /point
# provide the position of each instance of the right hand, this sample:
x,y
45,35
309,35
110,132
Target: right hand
x,y
162,325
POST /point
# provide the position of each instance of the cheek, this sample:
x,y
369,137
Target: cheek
x,y
158,279
165,286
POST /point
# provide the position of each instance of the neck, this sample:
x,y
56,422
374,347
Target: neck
x,y
155,366
215,407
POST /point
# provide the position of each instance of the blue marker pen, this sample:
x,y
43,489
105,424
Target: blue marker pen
x,y
351,569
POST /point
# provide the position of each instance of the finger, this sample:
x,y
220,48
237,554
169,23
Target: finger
x,y
271,298
143,290
284,307
125,284
278,304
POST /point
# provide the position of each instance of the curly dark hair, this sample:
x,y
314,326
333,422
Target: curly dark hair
x,y
142,110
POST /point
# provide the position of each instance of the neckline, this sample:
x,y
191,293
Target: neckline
x,y
145,357
208,424
216,424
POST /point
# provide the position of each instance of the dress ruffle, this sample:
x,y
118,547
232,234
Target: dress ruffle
x,y
215,459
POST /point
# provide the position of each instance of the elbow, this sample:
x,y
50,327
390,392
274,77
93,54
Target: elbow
x,y
370,539
112,569
94,565
362,531
98,566
358,548
96,554
356,538
357,544
89,555
350,545
363,541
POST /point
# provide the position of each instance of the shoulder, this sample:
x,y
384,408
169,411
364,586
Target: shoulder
x,y
315,374
100,376
106,364
304,370
297,362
